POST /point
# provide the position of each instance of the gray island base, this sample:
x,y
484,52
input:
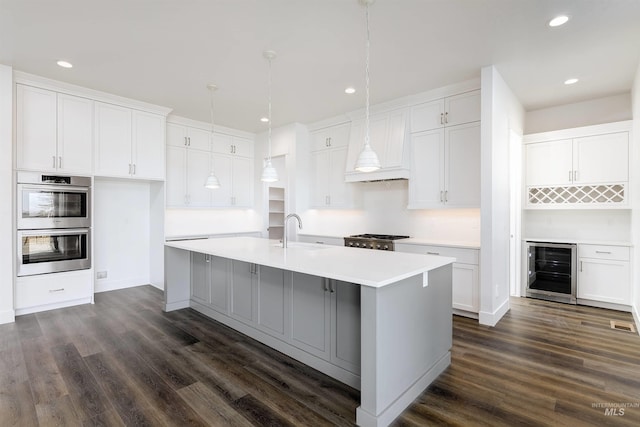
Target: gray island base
x,y
378,321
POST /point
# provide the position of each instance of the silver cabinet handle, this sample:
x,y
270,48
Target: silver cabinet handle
x,y
326,142
56,290
189,141
134,168
324,284
332,288
580,266
446,196
446,117
570,176
603,252
575,175
185,141
329,141
206,258
54,161
441,193
60,162
441,118
129,168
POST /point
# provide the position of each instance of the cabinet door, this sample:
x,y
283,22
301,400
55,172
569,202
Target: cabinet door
x,y
464,282
339,194
36,128
148,145
221,144
242,146
176,185
601,158
427,116
113,140
200,277
310,316
271,300
219,283
198,139
320,166
221,197
176,135
242,290
463,108
549,163
320,140
345,326
394,148
75,134
242,182
604,280
198,168
426,185
331,137
462,166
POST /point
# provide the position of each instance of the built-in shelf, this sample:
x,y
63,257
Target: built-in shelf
x,y
276,212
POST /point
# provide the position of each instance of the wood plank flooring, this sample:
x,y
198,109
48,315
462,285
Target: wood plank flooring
x,y
123,361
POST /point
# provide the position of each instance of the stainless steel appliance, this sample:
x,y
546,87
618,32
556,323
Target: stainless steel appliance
x,y
53,201
53,250
382,242
552,270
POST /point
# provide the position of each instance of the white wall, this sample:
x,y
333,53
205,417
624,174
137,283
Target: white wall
x,y
596,111
121,233
501,114
635,179
609,225
7,313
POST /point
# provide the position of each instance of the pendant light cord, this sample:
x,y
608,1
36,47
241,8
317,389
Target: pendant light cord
x,y
211,106
366,125
269,85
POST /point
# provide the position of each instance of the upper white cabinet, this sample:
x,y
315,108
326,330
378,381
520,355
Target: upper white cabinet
x,y
188,137
328,163
445,168
54,131
233,165
388,134
129,143
582,167
449,111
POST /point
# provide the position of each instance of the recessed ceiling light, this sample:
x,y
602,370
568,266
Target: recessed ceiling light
x,y
350,90
64,64
264,120
570,81
558,20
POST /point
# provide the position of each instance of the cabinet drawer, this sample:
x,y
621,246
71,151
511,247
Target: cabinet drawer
x,y
462,255
620,253
32,291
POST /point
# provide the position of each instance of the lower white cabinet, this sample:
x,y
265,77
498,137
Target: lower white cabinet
x,y
49,291
604,274
465,275
321,240
319,316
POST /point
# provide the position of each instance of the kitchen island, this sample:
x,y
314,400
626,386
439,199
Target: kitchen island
x,y
378,321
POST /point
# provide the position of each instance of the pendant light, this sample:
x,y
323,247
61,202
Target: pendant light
x,y
269,173
368,159
212,181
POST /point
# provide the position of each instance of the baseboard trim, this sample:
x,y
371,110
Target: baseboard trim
x,y
7,316
492,319
119,284
178,305
636,317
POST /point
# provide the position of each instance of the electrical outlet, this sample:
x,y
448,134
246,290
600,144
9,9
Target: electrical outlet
x,y
101,275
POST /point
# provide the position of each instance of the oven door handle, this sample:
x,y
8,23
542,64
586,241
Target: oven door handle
x,y
53,232
51,188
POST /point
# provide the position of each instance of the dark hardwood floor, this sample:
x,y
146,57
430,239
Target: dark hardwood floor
x,y
123,361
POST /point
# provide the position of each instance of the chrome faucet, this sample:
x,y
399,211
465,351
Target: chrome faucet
x,y
284,239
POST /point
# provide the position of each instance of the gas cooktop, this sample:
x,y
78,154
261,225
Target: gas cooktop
x,y
382,242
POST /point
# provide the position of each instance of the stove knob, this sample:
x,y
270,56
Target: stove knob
x,y
378,246
350,243
357,245
386,247
371,245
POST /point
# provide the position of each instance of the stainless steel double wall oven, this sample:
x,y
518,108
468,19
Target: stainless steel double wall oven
x,y
54,223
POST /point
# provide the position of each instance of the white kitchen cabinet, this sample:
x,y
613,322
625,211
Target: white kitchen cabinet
x,y
187,171
273,301
128,143
445,168
321,240
243,280
328,162
465,275
604,274
235,174
581,167
50,291
233,145
188,137
325,319
54,131
200,278
210,279
449,111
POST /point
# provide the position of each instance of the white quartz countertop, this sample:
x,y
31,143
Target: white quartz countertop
x,y
368,268
580,241
466,244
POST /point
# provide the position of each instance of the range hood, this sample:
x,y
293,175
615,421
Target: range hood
x,y
389,137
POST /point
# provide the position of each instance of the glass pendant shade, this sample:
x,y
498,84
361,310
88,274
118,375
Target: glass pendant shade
x,y
269,173
212,182
367,160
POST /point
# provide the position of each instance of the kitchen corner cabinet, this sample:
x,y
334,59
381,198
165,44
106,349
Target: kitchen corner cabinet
x,y
328,162
465,275
129,143
449,111
604,274
54,131
572,168
445,168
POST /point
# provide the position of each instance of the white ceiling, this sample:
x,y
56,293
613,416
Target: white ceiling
x,y
166,51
